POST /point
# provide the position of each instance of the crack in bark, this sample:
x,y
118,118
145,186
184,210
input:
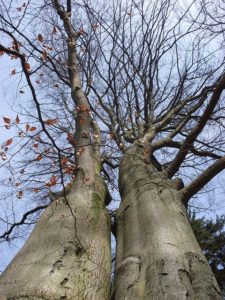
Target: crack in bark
x,y
186,281
64,282
195,273
56,266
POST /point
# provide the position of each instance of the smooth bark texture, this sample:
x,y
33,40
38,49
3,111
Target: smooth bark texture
x,y
67,255
158,256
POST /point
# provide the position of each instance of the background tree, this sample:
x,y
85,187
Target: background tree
x,y
211,237
154,82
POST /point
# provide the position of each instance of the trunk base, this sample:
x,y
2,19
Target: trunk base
x,y
67,256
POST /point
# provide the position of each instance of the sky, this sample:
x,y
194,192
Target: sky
x,y
8,100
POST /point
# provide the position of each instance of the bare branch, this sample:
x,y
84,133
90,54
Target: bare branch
x,y
7,233
187,144
204,178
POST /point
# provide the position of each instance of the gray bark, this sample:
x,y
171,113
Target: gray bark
x,y
67,256
158,256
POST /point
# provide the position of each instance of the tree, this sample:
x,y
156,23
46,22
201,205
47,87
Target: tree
x,y
72,256
146,83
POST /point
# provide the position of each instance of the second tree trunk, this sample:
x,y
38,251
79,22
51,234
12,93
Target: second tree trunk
x,y
158,256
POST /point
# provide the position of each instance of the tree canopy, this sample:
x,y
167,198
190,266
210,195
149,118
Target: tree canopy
x,y
157,81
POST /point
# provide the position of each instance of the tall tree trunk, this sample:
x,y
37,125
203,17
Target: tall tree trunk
x,y
67,256
158,256
68,253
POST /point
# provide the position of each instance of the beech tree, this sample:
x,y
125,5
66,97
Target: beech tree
x,y
127,96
